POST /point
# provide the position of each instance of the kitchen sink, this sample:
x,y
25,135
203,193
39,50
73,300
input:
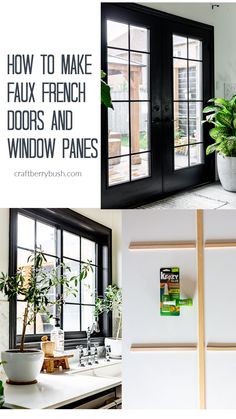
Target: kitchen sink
x,y
107,370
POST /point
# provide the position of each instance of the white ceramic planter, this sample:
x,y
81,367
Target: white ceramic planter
x,y
227,172
22,367
116,347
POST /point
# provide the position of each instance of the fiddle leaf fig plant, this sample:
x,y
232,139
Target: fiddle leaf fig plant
x,y
111,302
34,283
222,114
105,92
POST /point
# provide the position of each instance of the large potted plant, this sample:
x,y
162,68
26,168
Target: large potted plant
x,y
222,114
112,302
33,283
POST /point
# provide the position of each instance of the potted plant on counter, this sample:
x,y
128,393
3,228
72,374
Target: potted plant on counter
x,y
222,114
33,283
112,302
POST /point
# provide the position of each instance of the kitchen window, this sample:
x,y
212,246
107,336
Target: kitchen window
x,y
64,236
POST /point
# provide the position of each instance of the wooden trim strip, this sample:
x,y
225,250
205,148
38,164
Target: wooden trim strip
x,y
201,328
221,347
219,243
153,347
162,245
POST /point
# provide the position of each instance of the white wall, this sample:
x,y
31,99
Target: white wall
x,y
148,378
223,19
111,219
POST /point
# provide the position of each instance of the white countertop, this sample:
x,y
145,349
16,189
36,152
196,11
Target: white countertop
x,y
60,388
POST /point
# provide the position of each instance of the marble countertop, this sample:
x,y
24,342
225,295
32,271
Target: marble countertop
x,y
60,388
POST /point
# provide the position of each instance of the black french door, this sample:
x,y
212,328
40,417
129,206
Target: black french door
x,y
161,74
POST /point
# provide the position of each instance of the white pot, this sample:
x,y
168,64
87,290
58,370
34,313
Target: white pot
x,y
116,347
227,172
22,367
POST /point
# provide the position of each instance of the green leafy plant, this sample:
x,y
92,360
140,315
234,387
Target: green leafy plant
x,y
111,302
105,92
222,114
33,284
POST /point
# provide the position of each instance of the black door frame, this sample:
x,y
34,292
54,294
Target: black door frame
x,y
127,195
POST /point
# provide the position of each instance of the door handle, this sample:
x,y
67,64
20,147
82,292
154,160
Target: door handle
x,y
156,120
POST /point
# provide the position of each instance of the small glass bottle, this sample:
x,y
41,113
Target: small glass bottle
x,y
57,336
1,394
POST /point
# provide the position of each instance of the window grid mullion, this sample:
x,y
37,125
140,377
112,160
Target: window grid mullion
x,y
129,97
80,287
35,247
188,87
62,260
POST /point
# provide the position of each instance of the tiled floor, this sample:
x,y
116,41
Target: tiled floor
x,y
209,197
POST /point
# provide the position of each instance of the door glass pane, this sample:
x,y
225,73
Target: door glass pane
x,y
119,168
140,164
140,132
139,38
196,154
71,317
25,232
195,80
195,125
117,34
71,245
87,317
180,110
179,46
139,76
180,79
181,157
181,131
118,74
46,238
118,130
194,49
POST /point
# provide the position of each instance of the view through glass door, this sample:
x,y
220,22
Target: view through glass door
x,y
159,74
128,69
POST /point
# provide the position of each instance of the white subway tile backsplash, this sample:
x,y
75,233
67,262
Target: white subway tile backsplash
x,y
4,322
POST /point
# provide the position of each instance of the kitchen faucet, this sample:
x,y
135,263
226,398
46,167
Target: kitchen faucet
x,y
89,357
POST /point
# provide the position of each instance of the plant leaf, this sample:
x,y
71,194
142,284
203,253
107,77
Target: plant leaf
x,y
106,95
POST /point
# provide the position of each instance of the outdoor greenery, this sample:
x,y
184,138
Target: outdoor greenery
x,y
222,114
35,284
111,302
105,92
142,141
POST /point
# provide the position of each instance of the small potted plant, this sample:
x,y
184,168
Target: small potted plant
x,y
33,285
112,302
222,114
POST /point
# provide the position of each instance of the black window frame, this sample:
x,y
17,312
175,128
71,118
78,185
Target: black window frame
x,y
76,223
